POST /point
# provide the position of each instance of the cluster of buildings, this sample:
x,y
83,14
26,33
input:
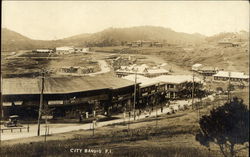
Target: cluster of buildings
x,y
143,70
63,50
220,75
76,69
141,43
118,61
167,86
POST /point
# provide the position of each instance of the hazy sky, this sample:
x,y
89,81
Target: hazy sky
x,y
54,20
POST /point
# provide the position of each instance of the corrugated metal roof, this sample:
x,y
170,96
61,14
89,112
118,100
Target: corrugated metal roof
x,y
145,81
19,86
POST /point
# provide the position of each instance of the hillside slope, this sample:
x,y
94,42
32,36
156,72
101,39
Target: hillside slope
x,y
12,41
117,35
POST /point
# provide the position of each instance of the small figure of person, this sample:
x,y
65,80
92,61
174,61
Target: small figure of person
x,y
81,117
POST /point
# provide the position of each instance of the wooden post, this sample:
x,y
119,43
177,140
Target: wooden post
x,y
93,127
41,104
229,84
135,92
193,92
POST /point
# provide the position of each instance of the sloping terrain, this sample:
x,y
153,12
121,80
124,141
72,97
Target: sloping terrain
x,y
12,41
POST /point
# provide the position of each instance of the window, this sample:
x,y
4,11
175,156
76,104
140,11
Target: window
x,y
170,86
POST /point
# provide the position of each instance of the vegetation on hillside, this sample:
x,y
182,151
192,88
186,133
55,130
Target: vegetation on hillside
x,y
227,126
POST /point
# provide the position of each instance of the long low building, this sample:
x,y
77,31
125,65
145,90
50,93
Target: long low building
x,y
68,96
234,76
65,50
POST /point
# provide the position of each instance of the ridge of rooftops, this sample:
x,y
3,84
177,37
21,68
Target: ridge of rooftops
x,y
173,79
61,85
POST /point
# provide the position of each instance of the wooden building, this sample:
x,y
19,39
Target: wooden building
x,y
150,92
178,86
233,76
66,96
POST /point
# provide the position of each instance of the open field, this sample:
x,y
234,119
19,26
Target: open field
x,y
170,135
28,64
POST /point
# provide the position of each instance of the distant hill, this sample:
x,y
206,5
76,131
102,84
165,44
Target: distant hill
x,y
241,36
113,36
12,41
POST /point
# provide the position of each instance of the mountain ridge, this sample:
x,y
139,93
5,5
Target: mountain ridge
x,y
13,41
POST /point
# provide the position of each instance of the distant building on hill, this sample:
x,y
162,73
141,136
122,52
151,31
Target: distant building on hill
x,y
65,50
43,51
141,43
228,44
81,50
196,67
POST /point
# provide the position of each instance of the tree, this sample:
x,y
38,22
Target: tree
x,y
226,126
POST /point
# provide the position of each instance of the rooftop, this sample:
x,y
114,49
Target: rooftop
x,y
208,68
15,86
177,79
144,81
64,48
231,74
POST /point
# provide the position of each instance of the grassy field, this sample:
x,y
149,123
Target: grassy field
x,y
168,136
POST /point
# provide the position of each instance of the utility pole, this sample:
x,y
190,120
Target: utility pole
x,y
156,101
193,92
229,86
135,92
41,104
1,105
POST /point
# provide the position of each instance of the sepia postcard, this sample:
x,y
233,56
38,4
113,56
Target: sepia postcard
x,y
124,78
